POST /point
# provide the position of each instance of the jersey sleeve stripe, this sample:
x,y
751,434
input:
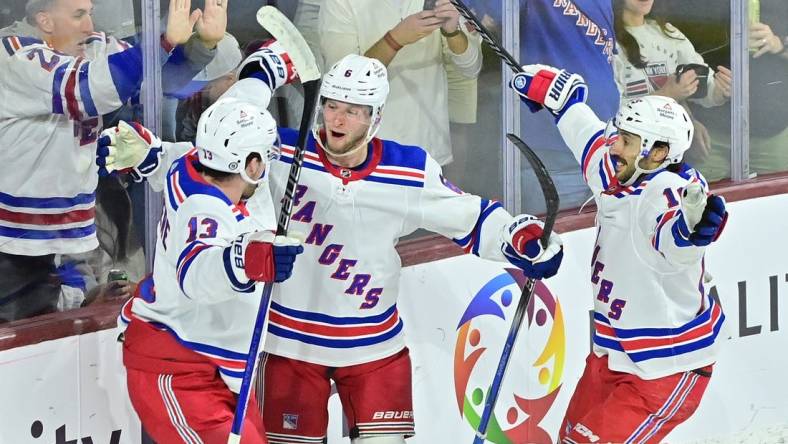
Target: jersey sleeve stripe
x,y
661,222
57,83
470,243
237,285
594,143
7,46
84,90
186,259
71,98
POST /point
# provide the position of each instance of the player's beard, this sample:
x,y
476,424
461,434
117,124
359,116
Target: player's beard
x,y
347,146
248,191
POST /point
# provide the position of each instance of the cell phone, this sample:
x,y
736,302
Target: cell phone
x,y
702,71
117,275
429,5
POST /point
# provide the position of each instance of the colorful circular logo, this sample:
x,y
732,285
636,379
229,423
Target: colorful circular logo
x,y
535,372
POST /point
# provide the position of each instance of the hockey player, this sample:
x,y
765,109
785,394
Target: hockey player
x,y
656,326
190,324
58,79
337,318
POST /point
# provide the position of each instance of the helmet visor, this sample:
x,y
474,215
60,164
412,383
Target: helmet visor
x,y
611,133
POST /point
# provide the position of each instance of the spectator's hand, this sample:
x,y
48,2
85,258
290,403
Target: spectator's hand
x,y
723,82
213,22
128,148
110,291
686,86
415,27
763,40
446,11
180,22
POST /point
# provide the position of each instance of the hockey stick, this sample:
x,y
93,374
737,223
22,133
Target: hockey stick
x,y
304,63
488,37
551,200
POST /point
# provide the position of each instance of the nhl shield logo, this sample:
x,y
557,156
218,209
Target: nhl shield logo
x,y
345,173
289,421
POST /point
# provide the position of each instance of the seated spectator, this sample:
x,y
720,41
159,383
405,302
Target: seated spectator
x,y
416,46
655,58
59,78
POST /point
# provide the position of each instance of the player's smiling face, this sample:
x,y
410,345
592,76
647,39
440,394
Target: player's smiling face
x,y
624,153
66,24
346,125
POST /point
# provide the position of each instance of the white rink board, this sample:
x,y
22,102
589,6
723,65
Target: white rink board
x,y
79,382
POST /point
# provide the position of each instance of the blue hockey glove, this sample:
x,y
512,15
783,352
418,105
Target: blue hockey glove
x,y
708,228
271,64
128,148
555,89
270,258
520,245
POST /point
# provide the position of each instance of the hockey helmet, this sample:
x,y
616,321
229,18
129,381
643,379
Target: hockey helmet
x,y
230,130
358,80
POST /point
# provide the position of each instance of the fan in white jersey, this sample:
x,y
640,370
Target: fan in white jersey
x,y
190,324
655,324
58,78
337,318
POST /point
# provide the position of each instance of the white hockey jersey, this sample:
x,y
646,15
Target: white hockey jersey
x,y
340,306
199,291
50,118
652,314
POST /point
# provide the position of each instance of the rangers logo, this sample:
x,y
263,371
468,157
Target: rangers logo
x,y
520,81
289,421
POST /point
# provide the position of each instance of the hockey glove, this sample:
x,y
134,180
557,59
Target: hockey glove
x,y
128,148
553,88
707,229
271,64
520,245
270,258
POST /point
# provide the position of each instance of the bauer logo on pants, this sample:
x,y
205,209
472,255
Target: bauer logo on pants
x,y
535,372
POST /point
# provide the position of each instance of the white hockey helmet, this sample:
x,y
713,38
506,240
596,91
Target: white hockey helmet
x,y
657,119
358,80
230,130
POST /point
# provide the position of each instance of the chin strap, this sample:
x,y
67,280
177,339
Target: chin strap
x,y
640,171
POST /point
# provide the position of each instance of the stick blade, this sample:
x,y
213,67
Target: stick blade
x,y
545,182
288,36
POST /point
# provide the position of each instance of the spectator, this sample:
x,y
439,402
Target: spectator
x,y
48,178
768,121
652,51
407,40
580,39
204,89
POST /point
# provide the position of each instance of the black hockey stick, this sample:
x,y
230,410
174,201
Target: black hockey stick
x,y
488,37
551,200
304,62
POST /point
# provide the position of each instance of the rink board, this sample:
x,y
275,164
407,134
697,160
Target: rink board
x,y
456,314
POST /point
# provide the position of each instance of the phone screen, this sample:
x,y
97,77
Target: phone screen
x,y
429,4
